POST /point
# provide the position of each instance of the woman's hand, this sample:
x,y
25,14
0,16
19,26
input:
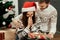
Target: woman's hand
x,y
31,35
16,23
30,22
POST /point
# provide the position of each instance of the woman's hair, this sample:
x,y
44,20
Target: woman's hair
x,y
25,18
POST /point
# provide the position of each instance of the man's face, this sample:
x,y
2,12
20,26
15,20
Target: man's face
x,y
43,5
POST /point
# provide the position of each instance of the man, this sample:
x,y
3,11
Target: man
x,y
48,16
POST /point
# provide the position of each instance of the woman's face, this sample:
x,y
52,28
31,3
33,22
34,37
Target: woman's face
x,y
30,14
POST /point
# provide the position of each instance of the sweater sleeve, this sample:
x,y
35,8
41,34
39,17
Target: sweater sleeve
x,y
36,26
53,22
16,20
23,32
18,17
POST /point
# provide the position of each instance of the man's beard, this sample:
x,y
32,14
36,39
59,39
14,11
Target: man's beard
x,y
43,8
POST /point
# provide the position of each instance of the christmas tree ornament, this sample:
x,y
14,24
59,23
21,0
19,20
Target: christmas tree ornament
x,y
10,8
3,2
4,23
6,9
9,26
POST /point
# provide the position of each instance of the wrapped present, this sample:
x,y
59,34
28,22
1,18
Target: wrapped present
x,y
2,37
38,36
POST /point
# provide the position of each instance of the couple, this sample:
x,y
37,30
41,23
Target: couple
x,y
37,21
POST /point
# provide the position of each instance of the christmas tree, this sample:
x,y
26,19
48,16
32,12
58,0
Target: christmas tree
x,y
5,7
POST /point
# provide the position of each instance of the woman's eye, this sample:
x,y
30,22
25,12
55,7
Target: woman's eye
x,y
27,14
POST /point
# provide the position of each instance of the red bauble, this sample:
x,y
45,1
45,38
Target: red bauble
x,y
10,8
9,26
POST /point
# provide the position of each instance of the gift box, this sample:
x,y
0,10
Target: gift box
x,y
2,37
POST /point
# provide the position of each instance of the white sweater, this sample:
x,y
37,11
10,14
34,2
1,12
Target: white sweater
x,y
48,18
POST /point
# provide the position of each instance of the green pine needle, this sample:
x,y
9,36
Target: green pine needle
x,y
1,0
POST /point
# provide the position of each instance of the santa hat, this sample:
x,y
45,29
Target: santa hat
x,y
28,6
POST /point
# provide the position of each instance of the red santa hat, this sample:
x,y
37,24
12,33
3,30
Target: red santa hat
x,y
28,6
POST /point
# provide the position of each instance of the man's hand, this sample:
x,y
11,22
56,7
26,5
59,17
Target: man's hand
x,y
50,36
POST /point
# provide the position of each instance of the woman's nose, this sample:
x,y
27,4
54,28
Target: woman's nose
x,y
30,15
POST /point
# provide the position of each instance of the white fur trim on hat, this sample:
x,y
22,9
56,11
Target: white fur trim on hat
x,y
28,9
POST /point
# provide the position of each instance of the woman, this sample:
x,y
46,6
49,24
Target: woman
x,y
28,23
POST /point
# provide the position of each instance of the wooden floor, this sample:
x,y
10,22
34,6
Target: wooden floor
x,y
57,37
10,35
